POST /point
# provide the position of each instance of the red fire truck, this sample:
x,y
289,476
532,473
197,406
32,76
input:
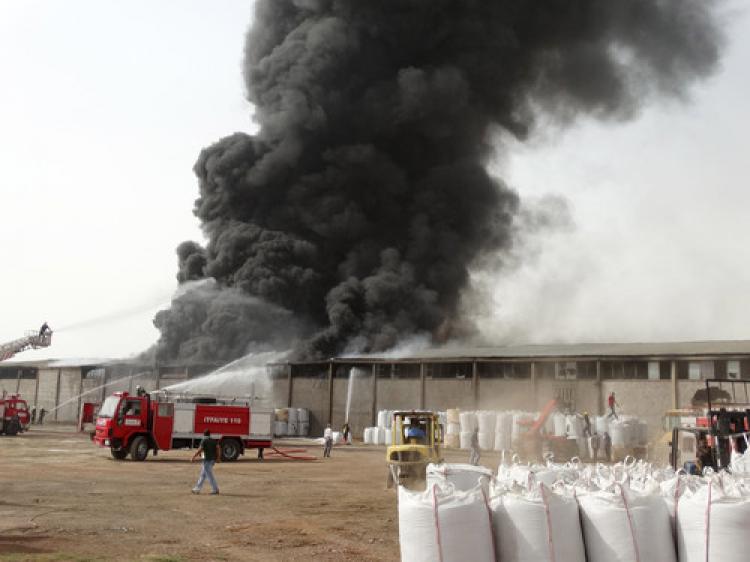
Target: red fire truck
x,y
14,414
134,425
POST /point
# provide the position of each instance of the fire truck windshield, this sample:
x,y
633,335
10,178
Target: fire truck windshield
x,y
109,407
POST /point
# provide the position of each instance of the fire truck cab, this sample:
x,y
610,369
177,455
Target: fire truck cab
x,y
136,424
14,415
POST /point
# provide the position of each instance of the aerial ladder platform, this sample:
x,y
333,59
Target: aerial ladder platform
x,y
31,340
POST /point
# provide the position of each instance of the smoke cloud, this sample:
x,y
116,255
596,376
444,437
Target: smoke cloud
x,y
363,202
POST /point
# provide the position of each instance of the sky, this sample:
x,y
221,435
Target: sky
x,y
105,106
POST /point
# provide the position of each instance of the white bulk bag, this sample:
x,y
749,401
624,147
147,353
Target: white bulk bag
x,y
303,428
444,524
279,428
712,524
303,415
387,437
623,526
503,431
452,415
486,422
292,416
465,439
383,419
468,421
453,429
573,426
463,477
559,423
537,526
486,441
740,463
601,424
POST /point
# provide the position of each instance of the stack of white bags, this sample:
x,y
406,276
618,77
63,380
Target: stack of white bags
x,y
576,513
498,430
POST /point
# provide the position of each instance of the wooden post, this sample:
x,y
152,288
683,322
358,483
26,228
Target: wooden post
x,y
57,392
422,387
80,397
289,383
331,367
599,392
534,386
675,387
374,403
475,383
105,379
36,388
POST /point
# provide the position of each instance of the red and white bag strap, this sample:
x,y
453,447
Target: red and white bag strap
x,y
550,543
436,517
630,524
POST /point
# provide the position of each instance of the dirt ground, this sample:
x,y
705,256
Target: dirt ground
x,y
62,498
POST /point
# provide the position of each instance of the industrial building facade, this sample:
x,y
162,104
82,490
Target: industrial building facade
x,y
648,380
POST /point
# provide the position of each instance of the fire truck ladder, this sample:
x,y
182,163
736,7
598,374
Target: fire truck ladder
x,y
31,340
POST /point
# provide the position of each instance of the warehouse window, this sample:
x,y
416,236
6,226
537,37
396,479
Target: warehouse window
x,y
694,371
733,370
654,373
567,370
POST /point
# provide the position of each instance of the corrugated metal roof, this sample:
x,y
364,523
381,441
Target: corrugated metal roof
x,y
576,350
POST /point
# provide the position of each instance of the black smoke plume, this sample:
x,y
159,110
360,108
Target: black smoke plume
x,y
363,200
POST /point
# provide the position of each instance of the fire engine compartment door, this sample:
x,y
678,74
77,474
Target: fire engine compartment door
x,y
163,423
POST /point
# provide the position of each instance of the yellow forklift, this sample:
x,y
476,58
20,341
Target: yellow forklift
x,y
415,442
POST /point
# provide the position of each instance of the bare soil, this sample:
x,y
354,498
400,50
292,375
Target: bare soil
x,y
62,498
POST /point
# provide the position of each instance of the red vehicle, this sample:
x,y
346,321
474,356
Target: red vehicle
x,y
135,425
14,415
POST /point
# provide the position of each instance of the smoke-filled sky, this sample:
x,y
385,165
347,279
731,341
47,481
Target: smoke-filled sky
x,y
105,109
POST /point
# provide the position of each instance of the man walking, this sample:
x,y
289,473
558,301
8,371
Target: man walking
x,y
328,437
611,402
474,451
211,453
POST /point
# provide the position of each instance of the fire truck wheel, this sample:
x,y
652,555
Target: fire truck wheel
x,y
12,427
119,454
139,448
230,450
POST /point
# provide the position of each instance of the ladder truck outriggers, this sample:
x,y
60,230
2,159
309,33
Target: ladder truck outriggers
x,y
136,424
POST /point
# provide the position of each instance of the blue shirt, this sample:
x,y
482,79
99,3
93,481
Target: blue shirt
x,y
415,432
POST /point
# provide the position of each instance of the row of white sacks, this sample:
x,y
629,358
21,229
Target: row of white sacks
x,y
291,422
498,430
377,436
575,513
385,418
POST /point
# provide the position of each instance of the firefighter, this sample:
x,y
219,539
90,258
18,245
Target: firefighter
x,y
33,415
42,413
607,442
586,425
612,402
328,441
211,454
140,391
44,330
345,431
474,450
595,442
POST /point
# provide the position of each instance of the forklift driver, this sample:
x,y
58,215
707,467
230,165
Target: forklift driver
x,y
414,433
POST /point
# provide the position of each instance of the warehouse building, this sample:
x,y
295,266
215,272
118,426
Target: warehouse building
x,y
648,379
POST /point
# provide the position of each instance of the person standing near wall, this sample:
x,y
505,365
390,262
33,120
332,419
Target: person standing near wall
x,y
474,448
612,402
607,442
42,413
211,453
33,415
328,441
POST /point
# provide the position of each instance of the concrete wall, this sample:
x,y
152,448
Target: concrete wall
x,y
312,393
647,399
502,394
360,410
397,394
441,394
